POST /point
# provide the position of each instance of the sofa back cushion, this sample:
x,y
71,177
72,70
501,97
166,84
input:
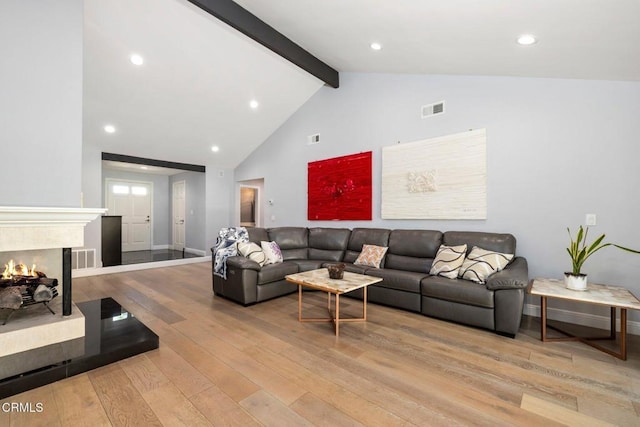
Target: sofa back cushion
x,y
412,250
257,234
328,243
369,236
498,242
293,241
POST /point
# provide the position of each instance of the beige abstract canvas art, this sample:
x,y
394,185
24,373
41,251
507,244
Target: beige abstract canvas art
x,y
437,178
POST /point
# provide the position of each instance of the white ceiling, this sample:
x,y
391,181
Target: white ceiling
x,y
192,91
581,39
199,74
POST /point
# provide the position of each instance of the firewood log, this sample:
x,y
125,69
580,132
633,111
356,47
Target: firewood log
x,y
42,293
11,297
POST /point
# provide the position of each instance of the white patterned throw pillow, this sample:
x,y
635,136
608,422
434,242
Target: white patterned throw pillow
x,y
481,263
448,261
272,251
252,251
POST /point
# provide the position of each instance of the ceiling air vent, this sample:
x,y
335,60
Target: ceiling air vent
x,y
313,139
432,109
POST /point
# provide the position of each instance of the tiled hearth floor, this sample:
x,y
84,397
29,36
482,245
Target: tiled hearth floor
x,y
111,334
223,364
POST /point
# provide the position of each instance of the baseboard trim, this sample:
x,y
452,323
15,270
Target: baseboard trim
x,y
198,252
584,319
160,247
133,267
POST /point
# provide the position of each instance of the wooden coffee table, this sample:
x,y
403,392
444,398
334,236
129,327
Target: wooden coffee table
x,y
611,296
319,279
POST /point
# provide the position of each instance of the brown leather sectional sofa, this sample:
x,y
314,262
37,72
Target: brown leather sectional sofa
x,y
496,305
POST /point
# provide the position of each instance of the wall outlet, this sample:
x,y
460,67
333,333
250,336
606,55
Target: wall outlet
x,y
590,219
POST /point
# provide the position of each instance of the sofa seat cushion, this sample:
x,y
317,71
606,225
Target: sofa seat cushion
x,y
402,280
308,264
352,268
325,254
457,290
274,272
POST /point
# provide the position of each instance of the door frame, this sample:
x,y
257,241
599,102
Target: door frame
x,y
173,228
257,204
107,181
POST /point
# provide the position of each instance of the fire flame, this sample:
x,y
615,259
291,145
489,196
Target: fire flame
x,y
12,269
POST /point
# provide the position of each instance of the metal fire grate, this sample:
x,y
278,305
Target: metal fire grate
x,y
27,293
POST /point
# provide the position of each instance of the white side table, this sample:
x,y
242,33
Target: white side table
x,y
612,296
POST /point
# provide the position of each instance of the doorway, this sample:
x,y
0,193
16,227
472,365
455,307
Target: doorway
x,y
249,206
132,201
162,175
178,224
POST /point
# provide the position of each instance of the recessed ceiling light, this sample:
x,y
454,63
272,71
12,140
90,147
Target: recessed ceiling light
x,y
526,39
253,104
144,167
136,59
109,128
215,148
375,46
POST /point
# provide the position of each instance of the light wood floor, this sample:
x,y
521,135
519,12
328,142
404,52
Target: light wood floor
x,y
223,364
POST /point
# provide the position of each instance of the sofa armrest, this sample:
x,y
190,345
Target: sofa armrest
x,y
515,276
242,263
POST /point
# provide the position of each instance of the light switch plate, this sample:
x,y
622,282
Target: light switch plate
x,y
590,219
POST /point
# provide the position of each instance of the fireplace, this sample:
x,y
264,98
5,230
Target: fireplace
x,y
22,286
33,337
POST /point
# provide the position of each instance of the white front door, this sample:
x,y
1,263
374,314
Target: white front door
x,y
131,200
179,200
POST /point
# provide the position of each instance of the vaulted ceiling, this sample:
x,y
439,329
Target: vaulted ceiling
x,y
193,90
199,75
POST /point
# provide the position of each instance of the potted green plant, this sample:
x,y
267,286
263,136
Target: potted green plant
x,y
579,251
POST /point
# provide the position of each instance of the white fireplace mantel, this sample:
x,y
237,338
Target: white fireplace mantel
x,y
30,228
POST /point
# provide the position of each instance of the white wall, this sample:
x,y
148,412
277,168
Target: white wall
x,y
557,149
92,196
219,201
41,102
195,209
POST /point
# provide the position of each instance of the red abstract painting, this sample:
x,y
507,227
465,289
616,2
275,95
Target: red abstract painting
x,y
340,188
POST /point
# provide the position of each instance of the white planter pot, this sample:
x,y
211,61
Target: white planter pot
x,y
575,283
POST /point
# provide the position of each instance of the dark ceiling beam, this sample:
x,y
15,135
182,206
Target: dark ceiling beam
x,y
250,25
152,162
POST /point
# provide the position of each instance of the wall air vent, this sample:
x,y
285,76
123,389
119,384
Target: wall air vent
x,y
83,258
432,109
313,139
